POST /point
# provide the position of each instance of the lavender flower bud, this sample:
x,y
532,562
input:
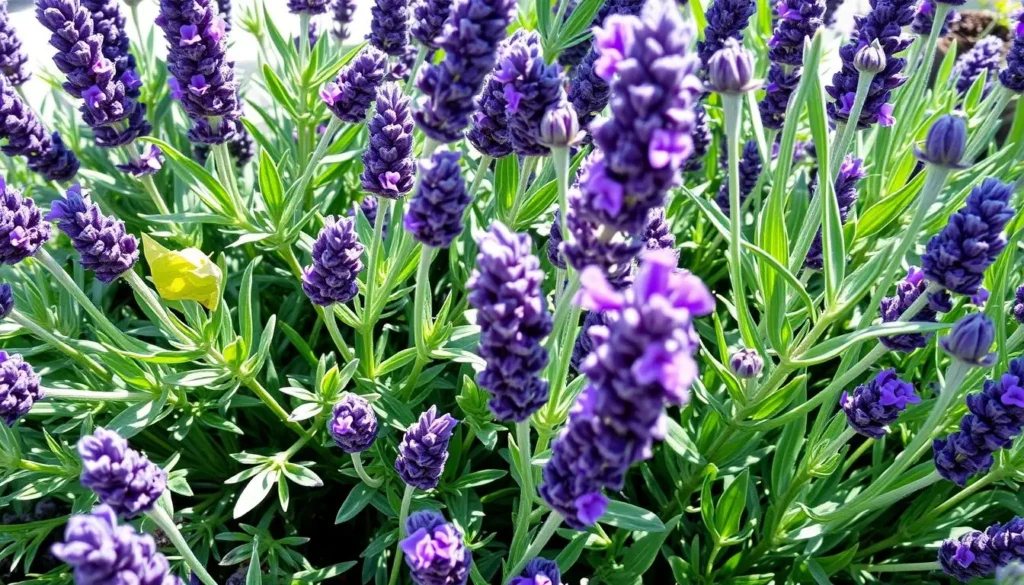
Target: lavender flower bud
x,y
13,61
389,26
727,19
311,7
746,363
353,424
876,405
19,386
424,450
349,96
559,126
101,240
870,58
21,230
99,551
970,555
435,551
539,571
1012,76
123,478
148,163
6,300
336,264
430,16
946,142
979,298
731,70
1018,305
985,57
531,87
344,11
26,137
388,162
970,340
506,290
434,217
907,292
956,257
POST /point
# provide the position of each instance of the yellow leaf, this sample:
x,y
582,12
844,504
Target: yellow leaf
x,y
183,275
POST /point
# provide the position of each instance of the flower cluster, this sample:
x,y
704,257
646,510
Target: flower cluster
x,y
1012,76
530,87
353,424
727,19
388,167
336,263
977,554
797,20
13,61
343,12
435,551
19,385
101,240
435,213
25,135
124,479
424,450
539,571
350,95
851,171
750,170
22,229
984,58
907,292
874,406
429,17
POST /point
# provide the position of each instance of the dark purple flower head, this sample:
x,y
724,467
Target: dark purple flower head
x,y
25,135
924,18
123,478
796,21
657,235
584,343
6,300
353,424
505,289
1018,305
389,26
350,95
874,406
22,230
946,142
490,132
148,163
884,24
101,240
995,419
779,87
968,556
731,70
424,450
746,363
336,263
641,362
727,19
985,57
311,7
1012,76
971,339
470,44
109,22
435,551
538,571
701,139
555,239
388,162
343,11
434,216
588,92
851,171
430,16
13,61
530,86
750,170
907,291
956,258
19,386
100,552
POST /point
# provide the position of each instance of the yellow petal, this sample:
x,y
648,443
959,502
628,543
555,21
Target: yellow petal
x,y
183,275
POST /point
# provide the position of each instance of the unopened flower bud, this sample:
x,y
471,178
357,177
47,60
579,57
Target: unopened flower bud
x,y
971,339
559,127
870,58
746,363
731,70
946,142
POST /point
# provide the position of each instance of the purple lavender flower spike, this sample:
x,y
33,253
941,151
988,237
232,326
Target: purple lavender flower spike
x,y
100,551
123,478
588,92
505,288
538,571
353,424
224,9
907,291
573,56
555,240
344,11
471,49
884,23
657,235
389,26
6,300
779,88
796,21
434,217
148,163
984,57
924,17
197,43
701,139
956,258
435,551
489,132
750,169
642,361
101,240
727,19
530,88
109,105
387,162
424,450
109,22
25,135
1012,76
350,95
874,406
22,230
584,343
850,173
970,340
430,16
1018,305
995,419
13,61
336,263
311,7
968,556
19,384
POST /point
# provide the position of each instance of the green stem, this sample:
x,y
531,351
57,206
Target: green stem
x,y
899,567
522,520
560,160
481,171
845,135
327,313
163,520
226,174
547,530
357,464
41,467
410,83
403,514
171,324
59,344
318,154
529,164
732,106
422,314
97,396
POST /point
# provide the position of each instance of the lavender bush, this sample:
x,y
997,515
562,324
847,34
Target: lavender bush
x,y
511,293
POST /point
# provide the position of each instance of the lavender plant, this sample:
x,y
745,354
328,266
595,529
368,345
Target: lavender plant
x,y
514,293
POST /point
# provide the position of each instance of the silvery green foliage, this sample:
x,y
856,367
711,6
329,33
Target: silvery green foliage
x,y
825,422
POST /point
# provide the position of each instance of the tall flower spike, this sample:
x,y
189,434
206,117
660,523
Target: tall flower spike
x,y
985,57
389,26
850,173
123,478
349,96
430,16
883,24
874,406
727,19
701,139
424,450
434,217
99,551
530,86
13,61
506,290
538,571
641,362
387,162
907,292
197,43
353,424
19,386
22,230
108,93
344,11
657,235
1012,76
101,240
26,137
489,132
470,44
970,555
435,551
224,8
336,263
588,92
796,20
109,22
750,169
311,7
956,258
924,17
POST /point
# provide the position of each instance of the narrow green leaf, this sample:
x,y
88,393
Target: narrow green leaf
x,y
731,505
578,22
834,347
271,186
354,503
630,517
